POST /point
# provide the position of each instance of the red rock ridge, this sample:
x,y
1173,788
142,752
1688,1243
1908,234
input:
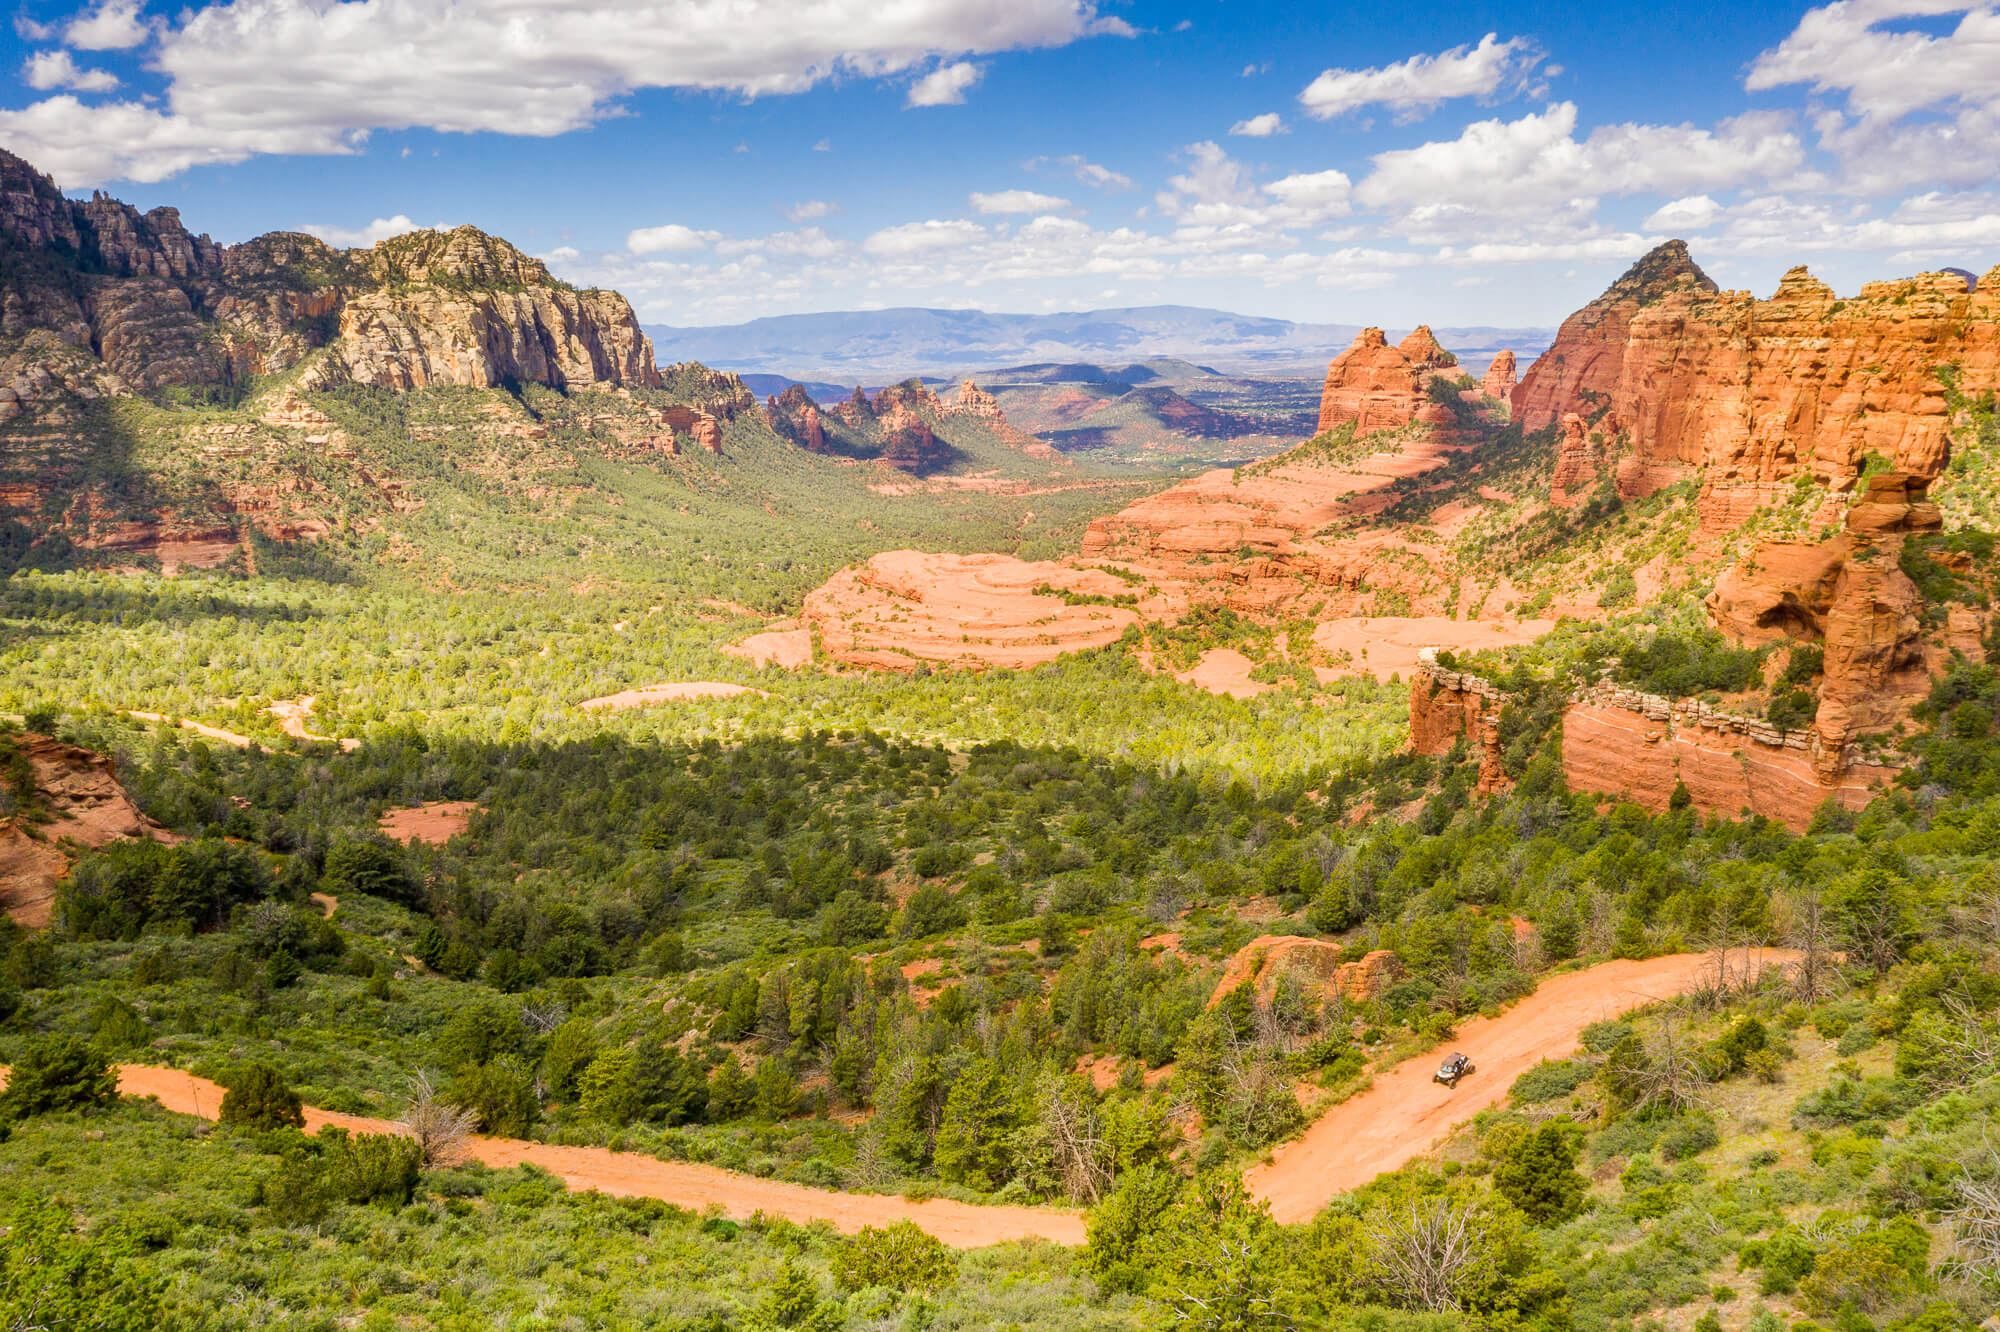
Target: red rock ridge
x,y
87,807
1749,394
1499,379
1446,706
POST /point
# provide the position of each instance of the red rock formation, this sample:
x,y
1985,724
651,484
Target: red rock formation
x,y
795,416
1498,382
1379,387
1447,706
1749,394
1584,364
973,400
707,432
1640,747
1579,462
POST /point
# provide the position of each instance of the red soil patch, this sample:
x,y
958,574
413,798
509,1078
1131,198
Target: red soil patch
x,y
230,738
787,649
697,1187
672,692
326,902
1224,671
433,824
1403,1114
904,608
1386,645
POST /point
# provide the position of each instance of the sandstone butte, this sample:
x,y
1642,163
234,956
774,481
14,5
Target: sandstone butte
x,y
1498,381
1378,387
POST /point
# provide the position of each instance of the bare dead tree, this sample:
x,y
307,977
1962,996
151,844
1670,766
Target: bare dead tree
x,y
1422,1252
1672,1075
1075,1134
1816,939
1970,1041
543,1018
1975,1219
1979,915
439,1128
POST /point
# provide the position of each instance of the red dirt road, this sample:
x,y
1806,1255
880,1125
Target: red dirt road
x,y
683,1183
1404,1114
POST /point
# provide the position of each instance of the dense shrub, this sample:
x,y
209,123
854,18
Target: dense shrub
x,y
257,1097
56,1073
899,1256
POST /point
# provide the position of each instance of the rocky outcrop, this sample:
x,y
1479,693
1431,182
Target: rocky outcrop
x,y
795,416
1749,394
975,401
1582,454
465,309
1374,386
163,307
1447,706
1642,746
78,802
1852,597
1499,380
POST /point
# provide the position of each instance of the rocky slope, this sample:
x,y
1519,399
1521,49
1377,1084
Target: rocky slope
x,y
162,307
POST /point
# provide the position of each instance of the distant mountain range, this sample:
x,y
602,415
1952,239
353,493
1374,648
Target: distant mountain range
x,y
882,346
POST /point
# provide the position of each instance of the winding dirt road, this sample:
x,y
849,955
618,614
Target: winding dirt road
x,y
1401,1116
1404,1114
683,1183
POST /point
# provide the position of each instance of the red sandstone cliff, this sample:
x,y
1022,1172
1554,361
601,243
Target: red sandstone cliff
x,y
1748,394
1499,379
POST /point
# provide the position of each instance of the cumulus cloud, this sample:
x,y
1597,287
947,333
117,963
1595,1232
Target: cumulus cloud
x,y
381,229
1537,167
1697,212
1917,107
1018,201
1259,127
47,70
670,238
114,25
1414,86
809,209
923,238
302,76
945,86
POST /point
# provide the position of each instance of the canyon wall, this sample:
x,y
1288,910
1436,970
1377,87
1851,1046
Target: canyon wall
x,y
1447,706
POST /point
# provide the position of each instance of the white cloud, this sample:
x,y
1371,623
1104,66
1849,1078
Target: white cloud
x,y
1920,108
1018,201
809,209
1311,197
945,86
670,238
1697,212
305,76
381,229
1414,86
923,238
1536,168
46,70
1259,127
1090,173
115,25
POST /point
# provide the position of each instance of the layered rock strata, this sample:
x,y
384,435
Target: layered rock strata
x,y
1447,706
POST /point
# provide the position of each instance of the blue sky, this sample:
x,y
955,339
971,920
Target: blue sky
x,y
718,160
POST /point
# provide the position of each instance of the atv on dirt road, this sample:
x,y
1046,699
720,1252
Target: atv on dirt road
x,y
1452,1069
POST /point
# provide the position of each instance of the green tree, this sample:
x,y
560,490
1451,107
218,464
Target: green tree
x,y
257,1097
775,1091
57,1073
371,865
1217,1258
1117,1228
501,1093
571,1048
730,1093
980,1116
899,1256
932,909
1538,1174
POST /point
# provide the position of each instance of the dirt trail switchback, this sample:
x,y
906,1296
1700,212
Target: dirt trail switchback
x,y
1404,1114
